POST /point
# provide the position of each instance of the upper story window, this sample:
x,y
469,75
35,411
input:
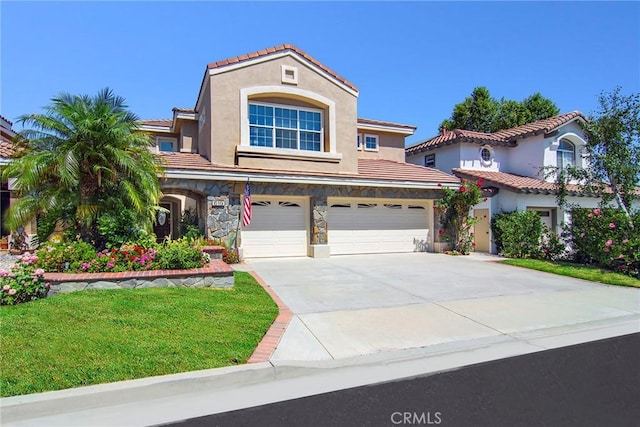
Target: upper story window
x,y
284,126
566,155
430,160
486,155
371,142
359,142
167,144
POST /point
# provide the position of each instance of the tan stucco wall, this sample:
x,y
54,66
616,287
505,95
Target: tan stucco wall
x,y
204,134
390,146
226,120
189,137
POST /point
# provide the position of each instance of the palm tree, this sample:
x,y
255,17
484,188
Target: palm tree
x,y
83,157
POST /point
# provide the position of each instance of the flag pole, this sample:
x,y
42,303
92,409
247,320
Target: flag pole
x,y
235,242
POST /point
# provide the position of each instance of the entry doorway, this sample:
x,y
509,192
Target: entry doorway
x,y
482,233
163,226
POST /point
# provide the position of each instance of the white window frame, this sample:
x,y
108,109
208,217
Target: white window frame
x,y
359,142
484,162
364,142
173,141
298,130
560,153
433,156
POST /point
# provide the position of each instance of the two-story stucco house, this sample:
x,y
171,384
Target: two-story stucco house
x,y
510,163
323,181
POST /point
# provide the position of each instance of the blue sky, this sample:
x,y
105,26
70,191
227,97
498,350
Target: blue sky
x,y
412,61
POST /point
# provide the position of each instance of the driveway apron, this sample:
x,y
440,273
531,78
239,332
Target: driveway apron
x,y
346,306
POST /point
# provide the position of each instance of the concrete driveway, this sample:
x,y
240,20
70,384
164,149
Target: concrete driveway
x,y
356,305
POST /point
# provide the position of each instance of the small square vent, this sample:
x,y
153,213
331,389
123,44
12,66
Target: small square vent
x,y
289,75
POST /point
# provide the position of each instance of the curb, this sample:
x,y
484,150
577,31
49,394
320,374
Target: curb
x,y
269,342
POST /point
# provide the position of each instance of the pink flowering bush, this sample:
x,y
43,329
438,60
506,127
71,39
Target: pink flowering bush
x,y
605,237
454,208
23,282
81,257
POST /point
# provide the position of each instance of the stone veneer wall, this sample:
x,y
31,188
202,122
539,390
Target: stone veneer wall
x,y
217,275
223,201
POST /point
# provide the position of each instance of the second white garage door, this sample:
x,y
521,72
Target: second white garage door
x,y
377,227
278,228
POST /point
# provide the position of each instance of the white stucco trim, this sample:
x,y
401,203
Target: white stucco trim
x,y
381,128
271,57
245,93
288,153
151,128
293,179
571,136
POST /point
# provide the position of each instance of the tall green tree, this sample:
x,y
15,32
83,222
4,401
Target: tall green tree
x,y
613,149
82,158
482,113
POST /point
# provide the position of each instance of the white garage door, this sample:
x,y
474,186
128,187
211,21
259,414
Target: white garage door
x,y
377,227
277,228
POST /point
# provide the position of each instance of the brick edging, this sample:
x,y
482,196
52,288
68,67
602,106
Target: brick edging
x,y
216,268
270,341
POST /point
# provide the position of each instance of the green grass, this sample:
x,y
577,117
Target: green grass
x,y
593,274
94,337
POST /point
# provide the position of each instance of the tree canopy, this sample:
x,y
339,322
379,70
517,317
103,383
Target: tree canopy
x,y
82,158
481,112
612,151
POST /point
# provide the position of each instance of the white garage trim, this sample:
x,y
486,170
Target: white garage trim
x,y
359,226
279,227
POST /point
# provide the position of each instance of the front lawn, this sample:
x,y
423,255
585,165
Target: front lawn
x,y
94,337
593,274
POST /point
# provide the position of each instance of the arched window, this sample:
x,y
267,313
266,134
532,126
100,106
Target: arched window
x,y
566,154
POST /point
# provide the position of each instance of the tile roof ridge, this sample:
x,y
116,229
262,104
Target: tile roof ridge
x,y
281,48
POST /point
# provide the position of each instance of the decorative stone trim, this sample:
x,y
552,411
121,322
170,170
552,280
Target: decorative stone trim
x,y
217,275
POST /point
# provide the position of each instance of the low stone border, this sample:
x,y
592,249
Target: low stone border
x,y
217,275
270,341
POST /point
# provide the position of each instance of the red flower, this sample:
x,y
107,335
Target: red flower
x,y
439,185
473,243
463,188
441,232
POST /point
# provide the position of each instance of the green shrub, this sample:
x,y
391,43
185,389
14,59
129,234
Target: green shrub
x,y
497,232
118,227
606,238
179,255
552,246
189,225
64,256
520,234
23,283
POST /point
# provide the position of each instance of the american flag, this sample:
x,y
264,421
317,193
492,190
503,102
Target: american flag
x,y
246,206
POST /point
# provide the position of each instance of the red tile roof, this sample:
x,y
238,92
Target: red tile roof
x,y
157,122
505,137
6,148
396,171
381,123
5,119
277,49
517,183
385,170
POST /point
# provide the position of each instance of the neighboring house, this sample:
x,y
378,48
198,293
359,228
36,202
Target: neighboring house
x,y
511,162
323,181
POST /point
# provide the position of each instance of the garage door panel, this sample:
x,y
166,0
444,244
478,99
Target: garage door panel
x,y
377,227
277,228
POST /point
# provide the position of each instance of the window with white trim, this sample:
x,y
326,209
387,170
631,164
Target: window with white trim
x,y
285,126
359,143
371,142
566,155
167,144
430,160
